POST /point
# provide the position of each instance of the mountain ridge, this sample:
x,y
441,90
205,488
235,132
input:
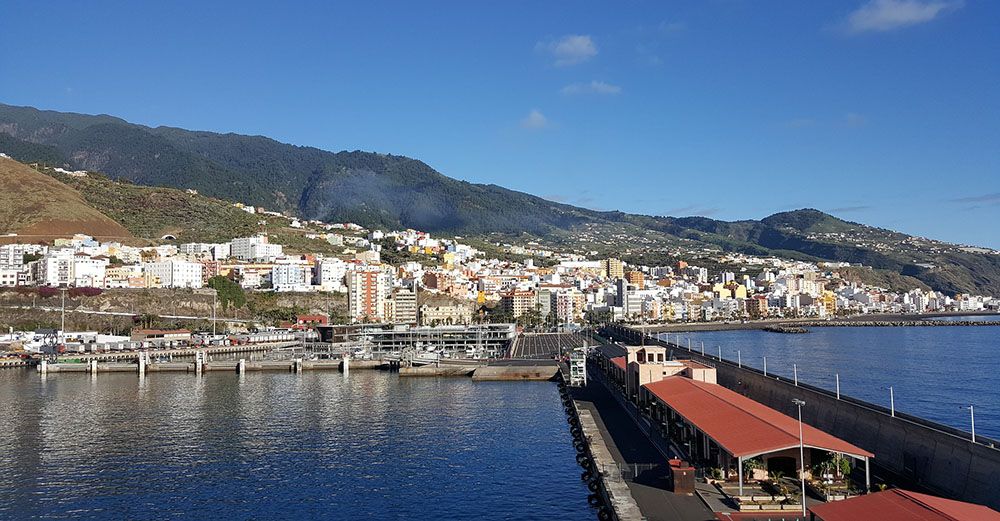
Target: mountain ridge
x,y
390,191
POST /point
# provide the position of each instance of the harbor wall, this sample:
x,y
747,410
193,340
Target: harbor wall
x,y
910,451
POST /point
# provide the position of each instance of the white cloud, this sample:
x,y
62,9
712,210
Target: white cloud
x,y
594,87
569,50
886,15
534,120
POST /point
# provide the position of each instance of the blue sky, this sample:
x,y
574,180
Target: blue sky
x,y
885,112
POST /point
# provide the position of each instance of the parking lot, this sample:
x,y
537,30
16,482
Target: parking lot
x,y
547,345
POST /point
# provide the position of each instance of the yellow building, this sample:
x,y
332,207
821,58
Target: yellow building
x,y
613,268
829,301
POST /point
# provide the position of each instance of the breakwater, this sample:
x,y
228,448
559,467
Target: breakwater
x,y
909,451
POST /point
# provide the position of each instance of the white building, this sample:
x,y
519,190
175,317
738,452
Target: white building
x,y
289,277
176,273
329,274
54,269
255,249
88,272
12,256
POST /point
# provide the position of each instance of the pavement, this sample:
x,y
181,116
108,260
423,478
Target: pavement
x,y
547,345
630,446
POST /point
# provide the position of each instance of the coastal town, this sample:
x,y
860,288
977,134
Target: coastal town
x,y
381,273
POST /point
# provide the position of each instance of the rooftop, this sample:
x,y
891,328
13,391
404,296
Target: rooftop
x,y
741,426
898,504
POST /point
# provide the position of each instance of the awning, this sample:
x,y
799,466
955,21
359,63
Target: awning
x,y
741,426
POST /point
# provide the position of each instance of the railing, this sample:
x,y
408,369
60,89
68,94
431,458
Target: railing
x,y
635,472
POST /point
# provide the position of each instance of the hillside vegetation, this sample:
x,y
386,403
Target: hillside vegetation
x,y
38,207
388,191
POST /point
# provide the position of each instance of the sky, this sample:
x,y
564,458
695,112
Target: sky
x,y
885,112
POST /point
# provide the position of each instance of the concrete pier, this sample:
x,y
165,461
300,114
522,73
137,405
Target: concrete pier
x,y
432,370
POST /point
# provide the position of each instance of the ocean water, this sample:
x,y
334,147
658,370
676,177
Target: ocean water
x,y
934,372
270,446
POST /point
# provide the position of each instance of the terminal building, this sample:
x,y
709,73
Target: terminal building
x,y
472,341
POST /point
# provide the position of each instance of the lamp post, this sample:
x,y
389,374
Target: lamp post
x,y
802,458
972,417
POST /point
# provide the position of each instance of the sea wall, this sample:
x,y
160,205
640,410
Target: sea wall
x,y
910,451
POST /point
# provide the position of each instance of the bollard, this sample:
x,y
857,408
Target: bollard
x,y
241,367
43,367
142,364
93,367
297,364
199,362
346,364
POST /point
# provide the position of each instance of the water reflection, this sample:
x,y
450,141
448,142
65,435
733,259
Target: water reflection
x,y
283,446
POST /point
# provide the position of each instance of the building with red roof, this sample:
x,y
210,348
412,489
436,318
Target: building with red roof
x,y
902,505
726,428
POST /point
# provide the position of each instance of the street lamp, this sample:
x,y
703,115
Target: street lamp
x,y
802,456
972,416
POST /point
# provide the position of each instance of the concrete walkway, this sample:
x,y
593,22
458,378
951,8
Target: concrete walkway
x,y
628,445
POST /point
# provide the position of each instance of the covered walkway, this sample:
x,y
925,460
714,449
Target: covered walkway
x,y
740,427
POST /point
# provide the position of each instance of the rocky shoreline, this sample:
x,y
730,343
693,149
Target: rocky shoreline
x,y
795,325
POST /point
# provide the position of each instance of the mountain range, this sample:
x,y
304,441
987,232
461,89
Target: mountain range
x,y
389,191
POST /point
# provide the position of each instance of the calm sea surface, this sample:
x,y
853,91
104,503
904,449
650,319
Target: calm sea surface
x,y
283,446
934,371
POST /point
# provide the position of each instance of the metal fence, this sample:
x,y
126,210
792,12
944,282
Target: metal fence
x,y
645,473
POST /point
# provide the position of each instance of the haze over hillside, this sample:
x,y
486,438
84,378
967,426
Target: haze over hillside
x,y
381,190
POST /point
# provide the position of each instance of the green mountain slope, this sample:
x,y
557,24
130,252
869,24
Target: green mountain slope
x,y
399,192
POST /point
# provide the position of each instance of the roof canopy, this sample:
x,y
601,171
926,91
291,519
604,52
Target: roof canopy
x,y
619,361
741,426
894,504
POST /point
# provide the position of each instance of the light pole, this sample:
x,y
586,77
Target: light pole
x,y
972,416
802,458
215,300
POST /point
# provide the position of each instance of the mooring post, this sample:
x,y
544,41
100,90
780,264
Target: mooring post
x,y
199,362
241,366
346,364
142,364
43,367
297,363
93,367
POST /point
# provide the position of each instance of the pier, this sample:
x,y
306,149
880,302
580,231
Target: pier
x,y
911,451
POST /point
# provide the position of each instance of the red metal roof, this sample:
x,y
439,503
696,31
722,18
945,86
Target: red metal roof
x,y
619,361
743,427
897,504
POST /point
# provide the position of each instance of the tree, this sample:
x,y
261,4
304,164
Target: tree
x,y
230,293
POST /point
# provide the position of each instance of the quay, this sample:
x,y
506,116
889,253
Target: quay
x,y
911,452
